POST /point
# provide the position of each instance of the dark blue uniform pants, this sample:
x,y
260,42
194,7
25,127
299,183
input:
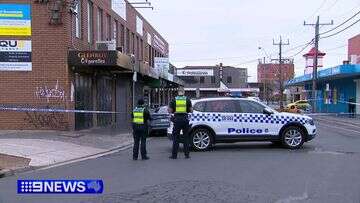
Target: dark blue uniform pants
x,y
140,135
180,123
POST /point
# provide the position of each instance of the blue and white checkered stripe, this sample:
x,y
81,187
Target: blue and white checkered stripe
x,y
214,117
247,118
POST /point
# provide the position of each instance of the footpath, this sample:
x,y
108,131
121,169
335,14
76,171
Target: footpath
x,y
22,150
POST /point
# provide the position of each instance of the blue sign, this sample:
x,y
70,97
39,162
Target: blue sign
x,y
60,186
15,11
15,20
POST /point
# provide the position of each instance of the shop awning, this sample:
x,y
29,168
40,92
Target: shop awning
x,y
342,71
100,58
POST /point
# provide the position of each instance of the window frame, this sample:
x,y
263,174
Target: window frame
x,y
78,19
109,30
99,24
248,101
200,103
90,19
236,105
227,79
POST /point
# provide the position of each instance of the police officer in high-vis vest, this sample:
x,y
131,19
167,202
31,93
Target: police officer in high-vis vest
x,y
180,107
141,117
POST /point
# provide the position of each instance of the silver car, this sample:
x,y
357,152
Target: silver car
x,y
160,120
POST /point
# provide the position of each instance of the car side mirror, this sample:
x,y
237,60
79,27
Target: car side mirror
x,y
267,111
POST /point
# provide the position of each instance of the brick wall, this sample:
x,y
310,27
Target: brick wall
x,y
49,75
270,72
354,47
50,72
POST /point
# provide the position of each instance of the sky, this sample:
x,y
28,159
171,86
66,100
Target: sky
x,y
209,32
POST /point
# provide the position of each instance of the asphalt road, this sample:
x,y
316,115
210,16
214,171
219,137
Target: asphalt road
x,y
326,169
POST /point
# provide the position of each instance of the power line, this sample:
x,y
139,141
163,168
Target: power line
x,y
335,48
320,7
247,62
299,46
348,11
336,1
341,24
336,33
306,45
211,59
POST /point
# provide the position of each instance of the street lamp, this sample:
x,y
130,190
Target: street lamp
x,y
266,54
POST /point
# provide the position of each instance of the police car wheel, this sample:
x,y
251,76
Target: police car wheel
x,y
293,137
201,139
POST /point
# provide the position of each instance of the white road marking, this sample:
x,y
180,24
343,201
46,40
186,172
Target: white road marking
x,y
290,199
335,121
349,130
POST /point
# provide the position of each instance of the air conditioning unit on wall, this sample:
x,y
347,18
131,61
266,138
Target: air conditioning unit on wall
x,y
106,45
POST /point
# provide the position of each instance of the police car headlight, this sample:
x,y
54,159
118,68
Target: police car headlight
x,y
310,122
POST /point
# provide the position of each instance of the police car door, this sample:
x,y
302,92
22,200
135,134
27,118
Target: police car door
x,y
253,120
220,115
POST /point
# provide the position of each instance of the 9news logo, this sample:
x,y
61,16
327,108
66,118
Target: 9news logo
x,y
60,186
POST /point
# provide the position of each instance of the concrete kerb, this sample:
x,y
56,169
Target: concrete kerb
x,y
11,172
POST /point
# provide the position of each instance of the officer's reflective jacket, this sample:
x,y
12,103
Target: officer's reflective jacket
x,y
138,115
180,104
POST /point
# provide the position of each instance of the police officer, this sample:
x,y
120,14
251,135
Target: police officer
x,y
180,107
141,117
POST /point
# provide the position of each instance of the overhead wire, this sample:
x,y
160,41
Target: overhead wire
x,y
340,31
299,52
341,24
318,9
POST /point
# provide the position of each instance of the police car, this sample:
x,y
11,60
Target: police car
x,y
224,120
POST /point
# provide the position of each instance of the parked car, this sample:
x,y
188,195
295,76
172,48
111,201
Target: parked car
x,y
300,104
293,109
160,120
223,120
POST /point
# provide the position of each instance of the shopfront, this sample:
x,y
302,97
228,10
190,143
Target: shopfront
x,y
338,89
102,82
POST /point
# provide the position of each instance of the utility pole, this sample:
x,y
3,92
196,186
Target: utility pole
x,y
281,82
315,63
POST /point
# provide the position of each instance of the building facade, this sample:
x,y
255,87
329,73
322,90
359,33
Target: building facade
x,y
338,88
354,50
268,74
74,56
213,81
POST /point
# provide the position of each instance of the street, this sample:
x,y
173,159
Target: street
x,y
324,170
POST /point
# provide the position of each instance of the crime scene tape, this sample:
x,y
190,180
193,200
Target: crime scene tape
x,y
327,114
56,110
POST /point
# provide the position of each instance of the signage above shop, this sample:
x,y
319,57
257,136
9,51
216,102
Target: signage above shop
x,y
15,20
93,58
162,65
195,72
109,60
15,55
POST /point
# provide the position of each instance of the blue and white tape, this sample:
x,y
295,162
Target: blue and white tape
x,y
21,109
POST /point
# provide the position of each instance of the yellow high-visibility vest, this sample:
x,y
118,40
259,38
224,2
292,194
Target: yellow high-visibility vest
x,y
180,104
138,114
